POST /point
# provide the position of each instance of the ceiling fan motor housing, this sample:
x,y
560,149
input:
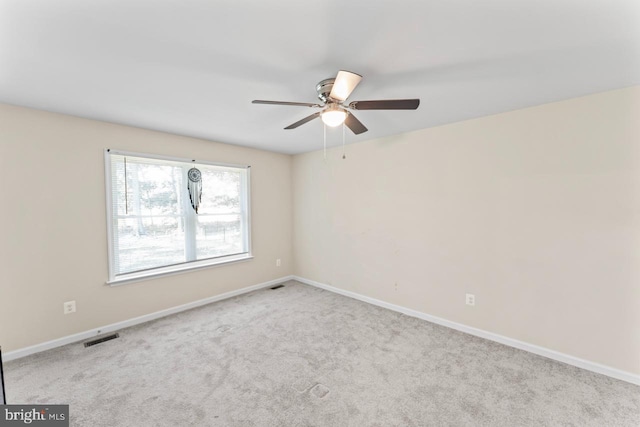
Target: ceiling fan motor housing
x,y
324,89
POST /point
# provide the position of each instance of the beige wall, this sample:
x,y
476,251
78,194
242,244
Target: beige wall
x,y
53,246
536,212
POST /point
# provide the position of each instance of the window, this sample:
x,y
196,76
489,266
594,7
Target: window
x,y
153,227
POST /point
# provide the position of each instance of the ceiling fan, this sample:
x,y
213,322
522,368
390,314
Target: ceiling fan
x,y
333,93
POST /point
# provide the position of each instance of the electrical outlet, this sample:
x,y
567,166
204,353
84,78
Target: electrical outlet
x,y
69,307
278,263
470,299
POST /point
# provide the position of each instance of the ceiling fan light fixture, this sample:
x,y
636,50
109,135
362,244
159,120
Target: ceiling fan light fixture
x,y
334,117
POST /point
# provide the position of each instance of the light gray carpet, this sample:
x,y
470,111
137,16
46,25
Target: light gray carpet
x,y
301,356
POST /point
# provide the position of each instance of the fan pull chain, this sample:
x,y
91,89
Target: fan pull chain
x,y
324,127
343,153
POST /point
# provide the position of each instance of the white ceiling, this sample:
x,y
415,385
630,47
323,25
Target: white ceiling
x,y
192,67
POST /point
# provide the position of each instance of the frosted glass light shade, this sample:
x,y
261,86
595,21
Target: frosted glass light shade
x,y
334,118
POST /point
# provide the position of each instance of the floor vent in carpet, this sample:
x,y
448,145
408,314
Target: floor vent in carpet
x,y
278,287
101,340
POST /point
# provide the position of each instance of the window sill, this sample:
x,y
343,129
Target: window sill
x,y
176,269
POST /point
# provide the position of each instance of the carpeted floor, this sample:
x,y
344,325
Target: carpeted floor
x,y
301,356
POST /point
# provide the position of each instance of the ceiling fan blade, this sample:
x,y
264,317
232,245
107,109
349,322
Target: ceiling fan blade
x,y
294,104
303,121
345,83
354,124
386,104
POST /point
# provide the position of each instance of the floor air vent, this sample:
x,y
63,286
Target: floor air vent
x,y
101,340
278,287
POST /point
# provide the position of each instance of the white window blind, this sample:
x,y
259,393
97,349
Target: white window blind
x,y
153,227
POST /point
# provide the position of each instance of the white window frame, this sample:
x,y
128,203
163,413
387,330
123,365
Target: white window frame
x,y
119,279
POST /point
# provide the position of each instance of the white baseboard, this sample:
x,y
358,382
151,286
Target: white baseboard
x,y
26,351
541,351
